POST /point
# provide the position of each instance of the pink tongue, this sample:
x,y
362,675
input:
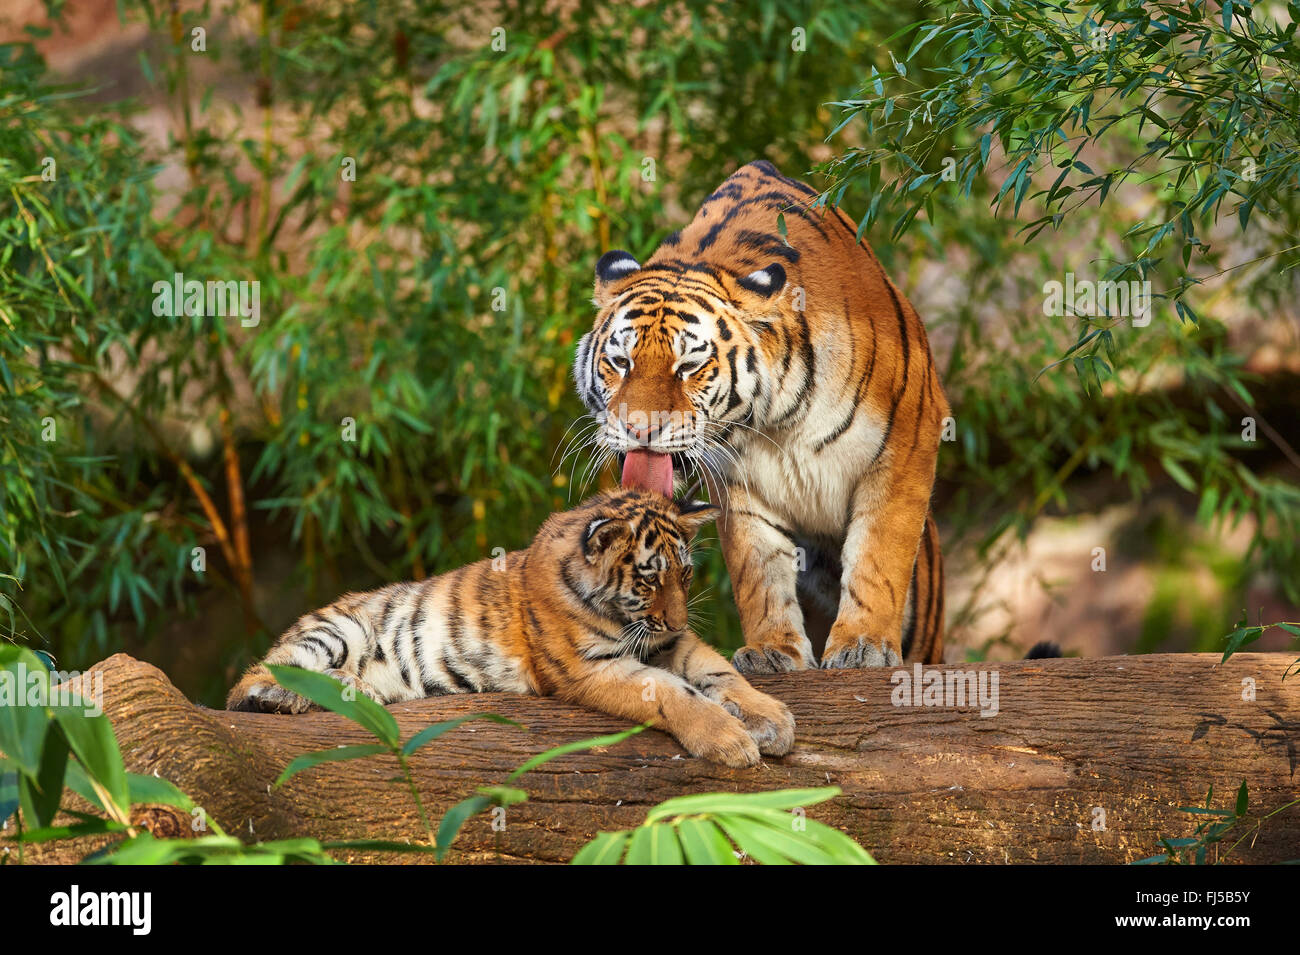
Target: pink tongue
x,y
649,470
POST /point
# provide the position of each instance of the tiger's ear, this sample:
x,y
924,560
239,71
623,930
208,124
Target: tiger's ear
x,y
612,267
765,282
602,535
692,515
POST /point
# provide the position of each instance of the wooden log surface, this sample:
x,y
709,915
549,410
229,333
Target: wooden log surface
x,y
1085,761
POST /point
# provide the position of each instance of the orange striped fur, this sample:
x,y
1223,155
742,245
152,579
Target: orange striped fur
x,y
594,612
795,379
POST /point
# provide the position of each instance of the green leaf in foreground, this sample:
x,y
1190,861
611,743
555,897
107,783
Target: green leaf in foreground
x,y
711,828
704,843
338,754
574,747
455,818
489,796
22,727
654,845
606,849
212,850
92,739
430,733
40,794
333,695
728,802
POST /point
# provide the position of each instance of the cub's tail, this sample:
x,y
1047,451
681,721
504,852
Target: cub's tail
x,y
1044,649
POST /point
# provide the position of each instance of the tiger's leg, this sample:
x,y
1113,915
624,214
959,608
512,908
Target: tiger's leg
x,y
879,557
626,687
762,565
923,619
767,719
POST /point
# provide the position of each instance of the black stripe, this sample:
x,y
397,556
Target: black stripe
x,y
733,399
312,640
837,433
809,367
780,529
710,237
770,170
766,244
328,628
909,636
898,396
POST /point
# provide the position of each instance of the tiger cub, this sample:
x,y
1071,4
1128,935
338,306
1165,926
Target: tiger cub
x,y
593,612
764,348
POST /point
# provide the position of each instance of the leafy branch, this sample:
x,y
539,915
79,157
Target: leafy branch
x,y
1215,827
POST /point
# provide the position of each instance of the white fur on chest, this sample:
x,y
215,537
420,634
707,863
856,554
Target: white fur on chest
x,y
811,490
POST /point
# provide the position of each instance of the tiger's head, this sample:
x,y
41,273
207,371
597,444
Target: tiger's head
x,y
632,557
678,356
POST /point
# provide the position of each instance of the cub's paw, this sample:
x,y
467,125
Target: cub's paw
x,y
768,658
258,692
722,739
768,721
355,682
864,652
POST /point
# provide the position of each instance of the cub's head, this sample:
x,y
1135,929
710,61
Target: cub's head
x,y
678,355
631,557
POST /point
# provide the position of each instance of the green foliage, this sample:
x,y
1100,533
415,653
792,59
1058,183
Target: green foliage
x,y
338,697
717,828
433,299
61,740
698,829
144,849
48,737
1243,633
54,739
1214,827
1129,140
333,694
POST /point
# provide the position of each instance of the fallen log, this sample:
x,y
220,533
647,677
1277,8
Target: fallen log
x,y
1084,761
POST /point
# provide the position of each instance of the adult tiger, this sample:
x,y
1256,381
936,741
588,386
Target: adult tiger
x,y
796,377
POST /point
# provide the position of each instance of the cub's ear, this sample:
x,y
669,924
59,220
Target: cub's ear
x,y
612,267
765,282
602,535
692,515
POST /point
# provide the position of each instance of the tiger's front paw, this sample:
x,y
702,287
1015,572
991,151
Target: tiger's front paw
x,y
767,720
722,738
258,692
860,653
773,657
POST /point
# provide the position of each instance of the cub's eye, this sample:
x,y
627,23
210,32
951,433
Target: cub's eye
x,y
621,363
